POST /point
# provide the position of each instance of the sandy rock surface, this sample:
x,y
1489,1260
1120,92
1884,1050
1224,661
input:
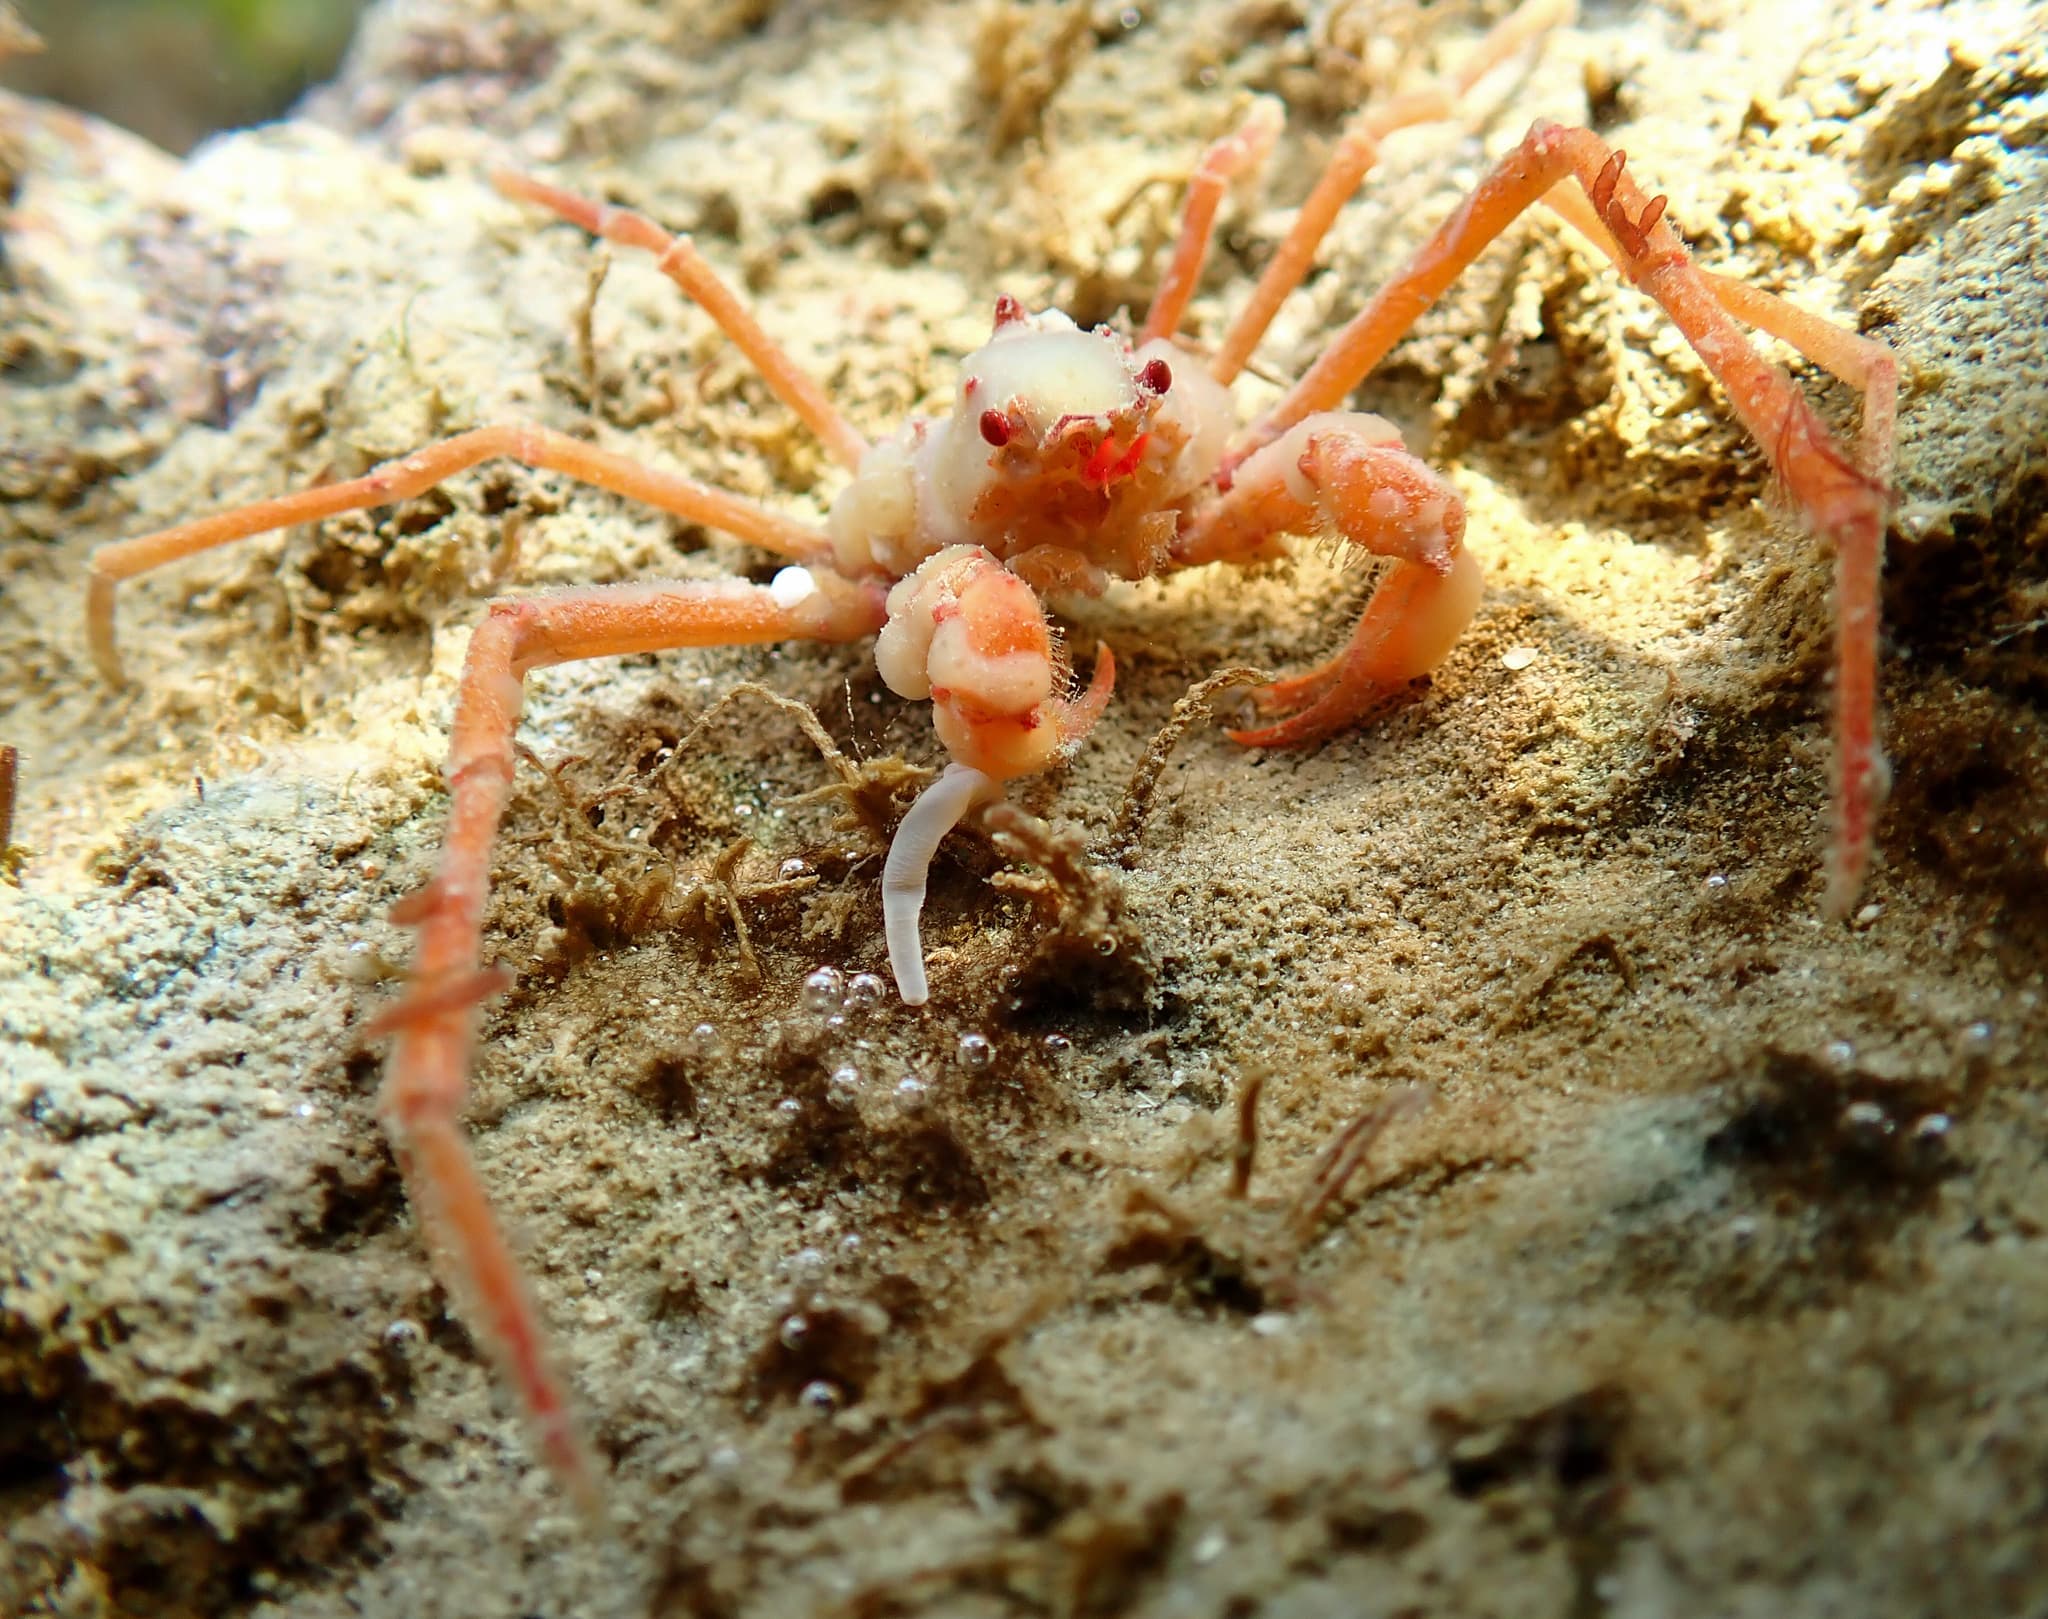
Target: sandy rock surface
x,y
1697,1267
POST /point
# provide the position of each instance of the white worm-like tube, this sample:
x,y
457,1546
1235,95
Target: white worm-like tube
x,y
937,811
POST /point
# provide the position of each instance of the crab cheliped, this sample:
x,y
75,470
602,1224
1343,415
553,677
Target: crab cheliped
x,y
1070,457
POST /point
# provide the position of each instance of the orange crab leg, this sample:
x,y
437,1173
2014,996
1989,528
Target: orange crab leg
x,y
434,1023
413,474
1863,363
1244,149
1843,502
1356,151
677,258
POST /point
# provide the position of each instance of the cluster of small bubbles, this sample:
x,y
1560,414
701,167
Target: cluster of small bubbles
x,y
975,1052
844,1085
824,990
793,868
820,1397
793,1331
1866,1118
912,1094
1839,1053
706,1042
404,1335
864,992
789,1107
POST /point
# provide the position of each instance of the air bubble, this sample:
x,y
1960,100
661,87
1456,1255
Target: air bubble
x,y
1105,944
793,1331
793,868
824,990
808,1265
821,1397
1716,884
1866,1118
1840,1053
864,992
975,1052
1930,1128
705,1041
1058,1045
404,1335
850,1244
789,1107
911,1095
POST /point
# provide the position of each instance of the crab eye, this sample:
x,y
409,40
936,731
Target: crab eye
x,y
1156,376
995,427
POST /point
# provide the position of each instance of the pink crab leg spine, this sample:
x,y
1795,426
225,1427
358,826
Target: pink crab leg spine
x,y
413,474
1840,501
434,1023
1356,151
678,259
1861,362
1242,151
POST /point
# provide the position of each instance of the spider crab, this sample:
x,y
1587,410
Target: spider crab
x,y
1069,457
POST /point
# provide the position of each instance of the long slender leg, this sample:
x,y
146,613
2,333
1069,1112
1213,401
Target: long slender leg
x,y
434,1023
1356,151
678,259
413,474
1872,369
1841,501
1245,148
1863,363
